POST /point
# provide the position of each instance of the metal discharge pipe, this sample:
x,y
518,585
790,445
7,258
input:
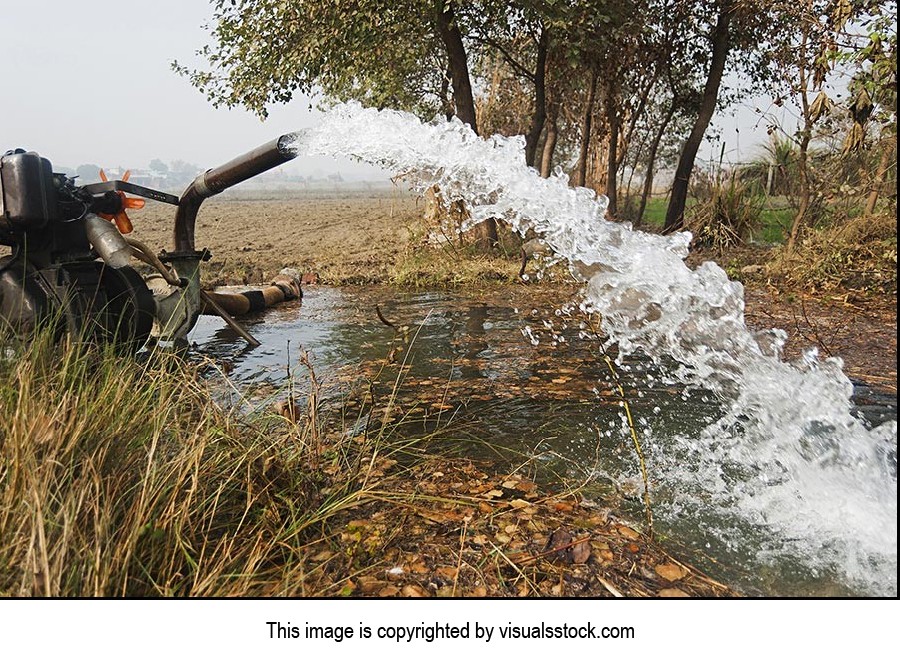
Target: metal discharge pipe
x,y
214,181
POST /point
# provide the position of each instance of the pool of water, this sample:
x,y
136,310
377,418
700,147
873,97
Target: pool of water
x,y
505,380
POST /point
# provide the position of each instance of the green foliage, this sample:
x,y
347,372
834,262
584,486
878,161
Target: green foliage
x,y
774,224
869,48
88,173
382,52
650,58
655,213
157,165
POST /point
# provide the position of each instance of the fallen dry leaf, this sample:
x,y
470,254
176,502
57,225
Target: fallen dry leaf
x,y
580,552
440,516
568,548
671,572
558,540
672,592
413,590
629,533
289,410
369,585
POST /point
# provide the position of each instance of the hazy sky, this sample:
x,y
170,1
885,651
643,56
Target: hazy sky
x,y
90,81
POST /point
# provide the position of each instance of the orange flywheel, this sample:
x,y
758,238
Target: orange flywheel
x,y
121,218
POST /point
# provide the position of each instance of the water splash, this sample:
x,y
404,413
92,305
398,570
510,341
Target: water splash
x,y
787,455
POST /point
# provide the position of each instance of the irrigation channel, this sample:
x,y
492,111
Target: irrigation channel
x,y
522,385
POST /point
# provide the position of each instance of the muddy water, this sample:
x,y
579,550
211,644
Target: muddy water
x,y
496,377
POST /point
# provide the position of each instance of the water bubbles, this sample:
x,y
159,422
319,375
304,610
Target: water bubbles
x,y
530,335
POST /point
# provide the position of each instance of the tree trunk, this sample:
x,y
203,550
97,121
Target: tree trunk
x,y
549,143
803,155
720,46
627,132
581,170
651,162
612,160
462,90
884,163
458,62
805,194
446,104
540,101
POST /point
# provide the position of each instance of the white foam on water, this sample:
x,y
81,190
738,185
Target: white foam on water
x,y
787,456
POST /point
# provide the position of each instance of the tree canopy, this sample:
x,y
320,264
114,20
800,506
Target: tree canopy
x,y
606,89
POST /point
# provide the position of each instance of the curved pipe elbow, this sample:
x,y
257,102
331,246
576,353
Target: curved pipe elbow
x,y
218,179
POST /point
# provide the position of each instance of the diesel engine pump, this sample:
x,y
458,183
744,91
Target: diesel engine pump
x,y
70,266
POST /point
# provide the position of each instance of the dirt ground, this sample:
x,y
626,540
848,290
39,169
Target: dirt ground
x,y
863,333
342,235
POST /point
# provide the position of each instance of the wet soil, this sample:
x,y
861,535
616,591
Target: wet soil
x,y
861,331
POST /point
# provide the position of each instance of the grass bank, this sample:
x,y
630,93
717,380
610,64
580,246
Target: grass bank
x,y
123,477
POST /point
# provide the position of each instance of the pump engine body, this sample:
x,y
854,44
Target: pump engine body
x,y
53,276
70,270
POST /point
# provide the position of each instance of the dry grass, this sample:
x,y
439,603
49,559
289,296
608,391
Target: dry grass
x,y
445,259
855,254
124,479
